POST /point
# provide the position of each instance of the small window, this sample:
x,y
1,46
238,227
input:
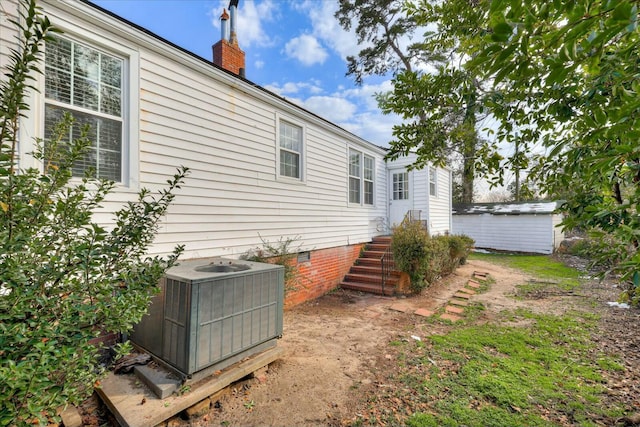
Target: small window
x,y
354,176
290,150
89,84
368,180
433,182
401,186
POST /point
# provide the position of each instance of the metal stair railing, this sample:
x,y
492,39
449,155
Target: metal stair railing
x,y
386,262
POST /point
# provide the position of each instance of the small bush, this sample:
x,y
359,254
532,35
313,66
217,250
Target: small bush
x,y
424,258
284,253
437,259
409,245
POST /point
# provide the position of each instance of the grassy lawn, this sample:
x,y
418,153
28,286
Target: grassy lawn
x,y
523,369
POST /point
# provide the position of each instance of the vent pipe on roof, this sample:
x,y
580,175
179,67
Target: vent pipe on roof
x,y
233,6
224,25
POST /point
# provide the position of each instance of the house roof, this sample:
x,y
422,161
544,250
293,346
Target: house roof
x,y
211,64
520,208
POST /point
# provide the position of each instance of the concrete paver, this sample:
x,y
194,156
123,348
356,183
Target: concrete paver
x,y
423,312
453,309
451,317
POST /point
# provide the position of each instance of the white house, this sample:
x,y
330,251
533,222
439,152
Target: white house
x,y
261,167
519,227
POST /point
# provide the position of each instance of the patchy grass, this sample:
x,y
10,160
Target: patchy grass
x,y
522,369
491,375
548,273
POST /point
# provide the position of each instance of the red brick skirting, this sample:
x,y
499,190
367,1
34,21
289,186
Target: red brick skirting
x,y
322,273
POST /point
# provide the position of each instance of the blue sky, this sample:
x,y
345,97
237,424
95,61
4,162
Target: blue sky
x,y
294,48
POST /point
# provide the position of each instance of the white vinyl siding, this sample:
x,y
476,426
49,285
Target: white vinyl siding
x,y
186,112
440,206
521,233
88,84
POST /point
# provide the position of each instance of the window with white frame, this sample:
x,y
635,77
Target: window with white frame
x,y
361,178
369,173
433,182
290,148
88,83
400,186
355,170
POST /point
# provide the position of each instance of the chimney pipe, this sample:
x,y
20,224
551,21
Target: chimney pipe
x,y
224,25
233,6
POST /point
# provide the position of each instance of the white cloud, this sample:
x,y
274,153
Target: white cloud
x,y
372,126
258,64
331,108
306,49
365,94
327,29
295,87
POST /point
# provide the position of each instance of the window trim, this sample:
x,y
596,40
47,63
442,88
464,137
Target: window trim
x,y
361,178
352,152
433,181
110,43
303,152
405,189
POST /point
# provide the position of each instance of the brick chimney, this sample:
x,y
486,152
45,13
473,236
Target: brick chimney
x,y
227,53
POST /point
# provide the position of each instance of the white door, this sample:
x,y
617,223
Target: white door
x,y
400,201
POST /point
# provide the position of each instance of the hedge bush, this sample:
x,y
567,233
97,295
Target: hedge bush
x,y
425,259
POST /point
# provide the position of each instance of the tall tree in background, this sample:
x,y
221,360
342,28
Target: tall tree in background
x,y
436,96
568,75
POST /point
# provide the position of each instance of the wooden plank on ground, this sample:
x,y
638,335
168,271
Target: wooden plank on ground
x,y
134,405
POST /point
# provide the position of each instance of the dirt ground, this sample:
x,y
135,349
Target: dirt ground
x,y
337,353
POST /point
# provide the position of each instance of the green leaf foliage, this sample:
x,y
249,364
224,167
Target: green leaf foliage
x,y
577,96
424,258
64,279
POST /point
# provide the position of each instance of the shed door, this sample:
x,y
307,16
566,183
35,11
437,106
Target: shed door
x,y
400,195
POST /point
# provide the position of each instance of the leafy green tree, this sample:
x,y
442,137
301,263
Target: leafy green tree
x,y
438,99
567,74
63,278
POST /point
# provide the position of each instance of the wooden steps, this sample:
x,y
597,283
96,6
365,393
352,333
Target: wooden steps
x,y
366,273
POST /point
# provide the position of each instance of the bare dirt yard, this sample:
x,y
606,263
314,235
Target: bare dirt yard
x,y
337,354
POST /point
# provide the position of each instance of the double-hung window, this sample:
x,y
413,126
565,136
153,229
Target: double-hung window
x,y
291,149
368,179
88,83
361,178
433,182
355,170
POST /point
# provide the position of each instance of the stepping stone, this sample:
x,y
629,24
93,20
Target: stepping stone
x,y
453,309
423,312
403,308
473,284
462,295
467,291
451,317
459,302
480,275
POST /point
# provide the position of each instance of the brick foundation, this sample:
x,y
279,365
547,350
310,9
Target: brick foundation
x,y
322,273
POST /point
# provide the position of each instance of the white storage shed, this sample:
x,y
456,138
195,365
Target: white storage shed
x,y
520,227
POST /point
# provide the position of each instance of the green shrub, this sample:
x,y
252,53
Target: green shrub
x,y
426,258
459,249
437,259
409,245
63,278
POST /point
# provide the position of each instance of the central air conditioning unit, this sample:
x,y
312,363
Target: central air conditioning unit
x,y
212,313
